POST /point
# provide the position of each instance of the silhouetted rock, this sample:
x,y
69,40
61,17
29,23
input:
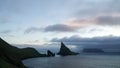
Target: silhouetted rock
x,y
49,53
64,51
10,56
93,50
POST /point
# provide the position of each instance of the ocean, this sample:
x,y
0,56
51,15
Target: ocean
x,y
77,61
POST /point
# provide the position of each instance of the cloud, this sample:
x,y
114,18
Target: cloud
x,y
32,30
75,24
114,5
76,38
11,7
59,28
6,31
35,41
4,19
92,8
108,20
103,42
52,28
69,25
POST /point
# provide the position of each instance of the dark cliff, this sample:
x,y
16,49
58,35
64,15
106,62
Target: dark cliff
x,y
11,57
64,51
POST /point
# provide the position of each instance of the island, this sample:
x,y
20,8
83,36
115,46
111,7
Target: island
x,y
93,50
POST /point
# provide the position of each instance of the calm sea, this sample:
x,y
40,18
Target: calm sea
x,y
79,61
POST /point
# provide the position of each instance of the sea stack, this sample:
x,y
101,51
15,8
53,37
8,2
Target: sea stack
x,y
50,54
64,51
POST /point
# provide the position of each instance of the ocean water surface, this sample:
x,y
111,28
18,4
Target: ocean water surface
x,y
78,61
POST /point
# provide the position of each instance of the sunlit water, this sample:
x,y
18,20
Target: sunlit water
x,y
79,61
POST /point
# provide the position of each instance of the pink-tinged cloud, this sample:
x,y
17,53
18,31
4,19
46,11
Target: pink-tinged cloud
x,y
74,24
103,20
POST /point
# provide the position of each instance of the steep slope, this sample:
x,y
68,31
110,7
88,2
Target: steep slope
x,y
10,56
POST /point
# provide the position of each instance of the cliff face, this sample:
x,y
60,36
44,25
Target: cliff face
x,y
10,56
64,51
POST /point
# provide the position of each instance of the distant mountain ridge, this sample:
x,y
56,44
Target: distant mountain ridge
x,y
93,50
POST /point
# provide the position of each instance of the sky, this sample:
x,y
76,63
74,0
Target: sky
x,y
41,21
